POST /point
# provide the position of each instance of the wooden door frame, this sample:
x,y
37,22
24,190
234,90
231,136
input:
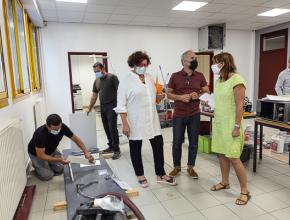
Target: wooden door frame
x,y
105,61
276,33
211,54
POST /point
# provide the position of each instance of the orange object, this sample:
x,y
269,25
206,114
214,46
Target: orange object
x,y
159,88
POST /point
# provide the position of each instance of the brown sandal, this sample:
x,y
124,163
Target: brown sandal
x,y
214,188
243,202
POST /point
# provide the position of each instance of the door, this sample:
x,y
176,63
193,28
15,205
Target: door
x,y
273,59
204,60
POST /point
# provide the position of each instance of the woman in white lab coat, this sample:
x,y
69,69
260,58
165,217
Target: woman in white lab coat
x,y
137,107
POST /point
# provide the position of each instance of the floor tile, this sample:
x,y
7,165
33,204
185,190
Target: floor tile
x,y
203,200
247,211
267,185
145,198
190,188
35,216
225,196
178,206
154,212
283,195
283,214
268,203
264,217
51,215
193,215
219,213
282,180
38,203
166,194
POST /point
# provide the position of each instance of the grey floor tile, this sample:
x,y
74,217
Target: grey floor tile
x,y
167,193
35,216
193,215
247,211
268,203
219,213
264,217
145,198
154,212
283,195
178,206
203,200
283,214
51,215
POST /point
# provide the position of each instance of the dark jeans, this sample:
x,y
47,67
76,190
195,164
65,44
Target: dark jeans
x,y
109,119
179,125
136,157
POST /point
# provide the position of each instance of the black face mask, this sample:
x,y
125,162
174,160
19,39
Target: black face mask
x,y
193,65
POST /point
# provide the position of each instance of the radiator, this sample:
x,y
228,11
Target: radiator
x,y
39,112
12,167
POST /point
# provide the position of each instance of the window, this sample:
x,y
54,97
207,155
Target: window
x,y
34,58
3,85
16,47
274,43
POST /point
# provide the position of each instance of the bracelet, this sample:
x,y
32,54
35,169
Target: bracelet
x,y
237,126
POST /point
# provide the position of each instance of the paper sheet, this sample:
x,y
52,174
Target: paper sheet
x,y
77,159
278,98
209,98
97,163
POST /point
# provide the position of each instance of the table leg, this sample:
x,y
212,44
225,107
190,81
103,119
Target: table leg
x,y
261,141
255,148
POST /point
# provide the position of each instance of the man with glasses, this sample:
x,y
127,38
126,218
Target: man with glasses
x,y
184,88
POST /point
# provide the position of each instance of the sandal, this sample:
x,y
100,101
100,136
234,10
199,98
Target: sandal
x,y
143,183
214,188
240,201
170,181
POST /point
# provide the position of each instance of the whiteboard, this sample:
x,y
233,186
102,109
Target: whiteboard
x,y
84,127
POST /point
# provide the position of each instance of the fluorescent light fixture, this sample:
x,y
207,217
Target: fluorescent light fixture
x,y
73,1
274,12
189,6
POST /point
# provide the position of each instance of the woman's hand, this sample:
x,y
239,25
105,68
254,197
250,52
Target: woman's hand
x,y
236,132
126,130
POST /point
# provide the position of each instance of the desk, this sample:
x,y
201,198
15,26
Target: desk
x,y
267,123
246,115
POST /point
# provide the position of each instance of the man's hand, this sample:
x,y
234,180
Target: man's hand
x,y
185,98
236,132
89,157
126,130
194,96
64,161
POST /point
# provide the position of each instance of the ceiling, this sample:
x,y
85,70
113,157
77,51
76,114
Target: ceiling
x,y
237,14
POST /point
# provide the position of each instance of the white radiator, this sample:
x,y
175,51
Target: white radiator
x,y
39,112
12,167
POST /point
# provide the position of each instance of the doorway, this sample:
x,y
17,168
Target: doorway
x,y
273,59
204,60
82,77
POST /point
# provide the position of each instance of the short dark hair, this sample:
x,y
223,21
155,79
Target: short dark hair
x,y
98,64
53,119
137,57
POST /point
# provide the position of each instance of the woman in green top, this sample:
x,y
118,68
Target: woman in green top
x,y
227,132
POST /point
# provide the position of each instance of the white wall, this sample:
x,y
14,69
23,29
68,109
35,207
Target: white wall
x,y
164,45
83,74
22,109
241,44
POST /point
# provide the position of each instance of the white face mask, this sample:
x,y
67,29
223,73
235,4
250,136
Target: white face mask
x,y
216,70
140,70
54,132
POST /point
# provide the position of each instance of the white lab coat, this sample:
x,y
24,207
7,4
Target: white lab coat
x,y
138,100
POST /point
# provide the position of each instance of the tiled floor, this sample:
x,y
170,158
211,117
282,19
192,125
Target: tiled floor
x,y
191,199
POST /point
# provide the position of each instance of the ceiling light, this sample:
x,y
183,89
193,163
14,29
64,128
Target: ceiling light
x,y
274,12
189,6
73,1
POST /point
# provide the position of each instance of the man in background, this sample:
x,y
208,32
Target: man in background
x,y
282,86
106,86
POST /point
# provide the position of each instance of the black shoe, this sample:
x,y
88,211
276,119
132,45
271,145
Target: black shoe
x,y
107,151
116,155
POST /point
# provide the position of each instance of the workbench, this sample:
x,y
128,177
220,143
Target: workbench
x,y
265,123
84,175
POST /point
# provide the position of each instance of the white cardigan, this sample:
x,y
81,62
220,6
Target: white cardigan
x,y
138,100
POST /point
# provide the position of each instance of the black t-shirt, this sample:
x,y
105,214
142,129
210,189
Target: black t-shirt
x,y
42,138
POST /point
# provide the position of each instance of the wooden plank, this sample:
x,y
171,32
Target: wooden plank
x,y
132,193
57,206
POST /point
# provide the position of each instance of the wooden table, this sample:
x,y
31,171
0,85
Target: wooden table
x,y
267,123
